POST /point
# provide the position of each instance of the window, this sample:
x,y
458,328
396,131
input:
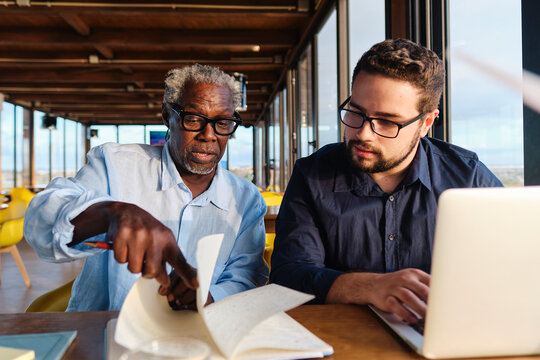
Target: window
x,y
487,116
259,156
131,134
7,130
240,148
305,129
71,141
105,133
41,151
57,148
154,128
366,27
328,131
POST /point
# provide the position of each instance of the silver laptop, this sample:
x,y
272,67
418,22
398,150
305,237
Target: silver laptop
x,y
484,295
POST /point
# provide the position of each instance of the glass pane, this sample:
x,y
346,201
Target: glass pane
x,y
131,134
286,148
70,128
19,141
105,133
259,156
486,116
81,146
41,151
305,106
57,146
366,17
327,83
240,147
154,132
8,150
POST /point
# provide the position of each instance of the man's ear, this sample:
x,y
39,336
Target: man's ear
x,y
429,120
165,115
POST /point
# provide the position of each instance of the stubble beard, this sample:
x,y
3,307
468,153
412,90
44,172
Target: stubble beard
x,y
382,164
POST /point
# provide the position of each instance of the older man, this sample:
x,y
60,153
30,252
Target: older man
x,y
357,222
154,203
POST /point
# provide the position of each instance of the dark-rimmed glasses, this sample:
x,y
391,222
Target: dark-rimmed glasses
x,y
196,122
381,127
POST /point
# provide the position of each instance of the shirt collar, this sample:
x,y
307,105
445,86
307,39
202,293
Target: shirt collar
x,y
217,193
347,178
419,169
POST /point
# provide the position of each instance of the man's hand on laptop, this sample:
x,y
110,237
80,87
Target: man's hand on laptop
x,y
403,292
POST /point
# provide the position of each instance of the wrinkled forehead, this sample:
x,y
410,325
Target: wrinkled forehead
x,y
204,96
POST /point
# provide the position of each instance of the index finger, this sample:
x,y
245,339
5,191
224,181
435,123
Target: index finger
x,y
182,268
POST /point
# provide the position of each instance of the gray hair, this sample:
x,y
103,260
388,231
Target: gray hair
x,y
178,79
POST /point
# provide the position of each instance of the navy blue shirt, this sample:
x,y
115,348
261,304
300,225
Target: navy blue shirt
x,y
335,218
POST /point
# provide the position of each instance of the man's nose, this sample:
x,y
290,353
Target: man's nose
x,y
365,132
207,133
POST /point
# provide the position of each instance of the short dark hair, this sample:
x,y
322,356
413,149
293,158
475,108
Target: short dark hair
x,y
405,60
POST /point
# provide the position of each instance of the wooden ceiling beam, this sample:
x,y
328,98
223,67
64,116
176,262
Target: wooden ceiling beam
x,y
76,23
135,38
282,8
32,77
105,51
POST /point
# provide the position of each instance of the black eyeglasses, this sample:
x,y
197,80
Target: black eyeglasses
x,y
381,127
196,122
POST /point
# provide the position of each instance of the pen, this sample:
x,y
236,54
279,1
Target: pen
x,y
99,244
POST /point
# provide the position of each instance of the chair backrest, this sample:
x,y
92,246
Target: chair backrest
x,y
272,198
15,210
21,194
11,232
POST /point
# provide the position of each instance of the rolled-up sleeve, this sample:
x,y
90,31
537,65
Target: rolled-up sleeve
x,y
298,259
245,268
48,226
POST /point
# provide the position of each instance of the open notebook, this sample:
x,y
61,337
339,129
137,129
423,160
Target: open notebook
x,y
248,325
485,276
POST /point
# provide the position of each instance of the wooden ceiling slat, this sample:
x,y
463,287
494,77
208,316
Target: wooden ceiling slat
x,y
104,62
36,77
76,23
135,37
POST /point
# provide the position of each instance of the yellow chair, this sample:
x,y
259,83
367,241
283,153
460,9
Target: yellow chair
x,y
52,301
23,194
269,248
272,198
11,232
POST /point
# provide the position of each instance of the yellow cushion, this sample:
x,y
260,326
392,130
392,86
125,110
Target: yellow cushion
x,y
272,198
269,247
11,232
15,210
22,194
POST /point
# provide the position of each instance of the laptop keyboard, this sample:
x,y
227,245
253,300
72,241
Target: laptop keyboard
x,y
419,326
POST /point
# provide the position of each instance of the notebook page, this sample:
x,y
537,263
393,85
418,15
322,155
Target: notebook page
x,y
146,315
232,318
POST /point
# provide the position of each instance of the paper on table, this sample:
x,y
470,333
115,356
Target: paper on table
x,y
146,315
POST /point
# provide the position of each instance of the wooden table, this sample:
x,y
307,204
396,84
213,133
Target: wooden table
x,y
270,219
353,331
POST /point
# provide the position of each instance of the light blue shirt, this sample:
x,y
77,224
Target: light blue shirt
x,y
147,177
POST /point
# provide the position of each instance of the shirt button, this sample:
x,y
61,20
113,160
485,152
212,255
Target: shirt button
x,y
391,237
391,198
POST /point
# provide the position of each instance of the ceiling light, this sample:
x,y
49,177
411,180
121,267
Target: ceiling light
x,y
256,48
93,59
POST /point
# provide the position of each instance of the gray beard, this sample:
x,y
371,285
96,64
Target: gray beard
x,y
191,169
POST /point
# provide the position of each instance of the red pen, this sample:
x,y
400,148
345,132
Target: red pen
x,y
99,244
